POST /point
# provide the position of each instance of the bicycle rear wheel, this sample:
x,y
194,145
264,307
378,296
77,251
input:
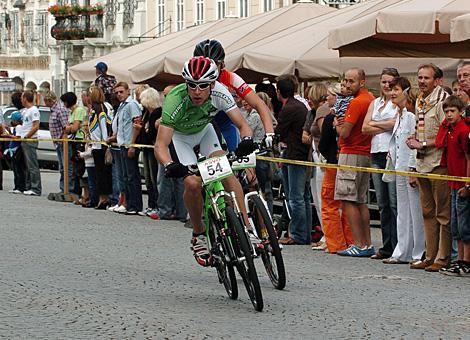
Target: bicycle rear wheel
x,y
246,268
225,270
271,254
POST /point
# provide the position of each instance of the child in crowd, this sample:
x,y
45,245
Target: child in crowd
x,y
15,154
453,138
342,101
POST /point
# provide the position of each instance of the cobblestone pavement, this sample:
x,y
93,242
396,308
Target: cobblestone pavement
x,y
69,272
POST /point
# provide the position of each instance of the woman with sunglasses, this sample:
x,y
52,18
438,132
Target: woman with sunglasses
x,y
379,123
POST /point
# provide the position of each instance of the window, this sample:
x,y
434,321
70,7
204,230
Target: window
x,y
243,8
28,32
199,12
14,31
3,33
42,31
160,17
267,5
179,15
221,8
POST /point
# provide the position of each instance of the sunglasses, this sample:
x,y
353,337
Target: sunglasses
x,y
391,70
200,86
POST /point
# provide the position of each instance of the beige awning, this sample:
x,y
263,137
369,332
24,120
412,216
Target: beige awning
x,y
407,28
234,37
460,28
120,61
303,48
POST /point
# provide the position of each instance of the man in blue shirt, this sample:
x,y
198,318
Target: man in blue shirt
x,y
129,113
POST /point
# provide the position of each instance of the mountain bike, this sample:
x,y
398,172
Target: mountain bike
x,y
229,243
261,220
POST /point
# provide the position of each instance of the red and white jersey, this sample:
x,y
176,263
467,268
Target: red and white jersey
x,y
234,83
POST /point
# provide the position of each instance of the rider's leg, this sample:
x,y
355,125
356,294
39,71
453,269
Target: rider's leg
x,y
193,201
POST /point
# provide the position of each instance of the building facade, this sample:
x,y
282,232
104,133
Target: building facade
x,y
40,39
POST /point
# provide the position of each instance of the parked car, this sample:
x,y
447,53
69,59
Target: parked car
x,y
47,155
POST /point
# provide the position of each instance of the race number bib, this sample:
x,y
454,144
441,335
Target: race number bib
x,y
245,162
214,169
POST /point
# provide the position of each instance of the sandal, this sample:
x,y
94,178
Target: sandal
x,y
319,245
288,242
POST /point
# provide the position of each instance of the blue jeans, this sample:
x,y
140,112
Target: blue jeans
x,y
60,156
131,177
170,197
386,194
297,190
94,199
117,177
460,222
33,176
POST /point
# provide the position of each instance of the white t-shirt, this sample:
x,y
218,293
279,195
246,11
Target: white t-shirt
x,y
381,142
29,116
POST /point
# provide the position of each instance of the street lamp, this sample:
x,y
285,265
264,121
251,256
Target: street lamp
x,y
64,52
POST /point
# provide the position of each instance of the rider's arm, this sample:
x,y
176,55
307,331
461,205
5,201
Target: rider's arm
x,y
161,150
256,102
240,122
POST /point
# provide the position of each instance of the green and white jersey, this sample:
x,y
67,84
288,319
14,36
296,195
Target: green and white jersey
x,y
183,116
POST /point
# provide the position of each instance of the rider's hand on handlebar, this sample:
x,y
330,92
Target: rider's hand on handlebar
x,y
245,147
176,170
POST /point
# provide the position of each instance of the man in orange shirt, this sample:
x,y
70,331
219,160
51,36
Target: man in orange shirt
x,y
352,186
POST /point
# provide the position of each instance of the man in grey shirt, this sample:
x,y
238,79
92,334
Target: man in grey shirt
x,y
128,118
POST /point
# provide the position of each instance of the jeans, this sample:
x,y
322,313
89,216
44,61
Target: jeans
x,y
33,176
460,222
18,167
60,157
386,194
264,179
170,197
150,173
131,177
94,199
117,177
297,189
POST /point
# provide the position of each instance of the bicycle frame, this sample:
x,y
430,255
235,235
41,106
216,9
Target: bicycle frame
x,y
214,201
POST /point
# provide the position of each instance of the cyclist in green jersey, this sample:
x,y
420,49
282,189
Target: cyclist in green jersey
x,y
186,120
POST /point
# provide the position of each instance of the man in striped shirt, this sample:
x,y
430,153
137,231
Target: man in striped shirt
x,y
434,194
58,120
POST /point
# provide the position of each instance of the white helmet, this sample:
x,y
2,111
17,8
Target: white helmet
x,y
200,70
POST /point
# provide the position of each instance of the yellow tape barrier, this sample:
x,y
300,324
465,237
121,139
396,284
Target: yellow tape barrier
x,y
273,159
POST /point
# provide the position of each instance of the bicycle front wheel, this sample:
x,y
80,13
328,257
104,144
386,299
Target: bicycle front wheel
x,y
225,270
246,267
271,254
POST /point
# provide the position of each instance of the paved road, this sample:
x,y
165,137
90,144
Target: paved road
x,y
69,272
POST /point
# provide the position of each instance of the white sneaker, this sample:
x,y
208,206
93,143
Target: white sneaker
x,y
121,209
30,193
15,191
141,213
114,207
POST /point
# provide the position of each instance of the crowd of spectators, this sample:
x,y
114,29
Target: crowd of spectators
x,y
425,222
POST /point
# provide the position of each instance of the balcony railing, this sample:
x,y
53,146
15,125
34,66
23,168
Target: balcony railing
x,y
76,22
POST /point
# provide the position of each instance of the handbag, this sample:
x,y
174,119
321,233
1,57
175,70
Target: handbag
x,y
108,157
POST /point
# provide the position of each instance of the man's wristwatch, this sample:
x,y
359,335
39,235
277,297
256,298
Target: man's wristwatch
x,y
424,144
